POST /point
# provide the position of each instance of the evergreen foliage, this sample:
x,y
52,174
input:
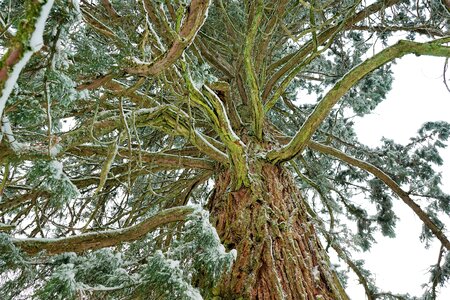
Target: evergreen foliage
x,y
133,108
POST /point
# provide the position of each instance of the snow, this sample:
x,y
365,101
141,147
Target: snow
x,y
233,252
12,79
67,273
227,121
7,131
54,151
76,5
57,169
36,43
173,264
137,61
10,29
200,135
316,273
193,293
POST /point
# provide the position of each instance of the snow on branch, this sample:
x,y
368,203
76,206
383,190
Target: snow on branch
x,y
211,105
169,161
19,57
6,130
167,118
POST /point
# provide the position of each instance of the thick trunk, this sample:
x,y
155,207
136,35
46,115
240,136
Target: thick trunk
x,y
279,253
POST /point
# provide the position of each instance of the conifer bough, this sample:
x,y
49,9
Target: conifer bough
x,y
160,150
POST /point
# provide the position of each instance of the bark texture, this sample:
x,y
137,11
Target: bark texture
x,y
279,253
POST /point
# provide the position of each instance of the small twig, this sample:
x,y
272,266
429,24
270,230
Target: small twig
x,y
444,74
127,131
438,266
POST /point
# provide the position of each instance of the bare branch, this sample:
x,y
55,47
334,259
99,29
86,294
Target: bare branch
x,y
110,9
419,29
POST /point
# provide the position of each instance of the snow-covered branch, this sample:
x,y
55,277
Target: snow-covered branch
x,y
6,131
17,57
213,107
165,117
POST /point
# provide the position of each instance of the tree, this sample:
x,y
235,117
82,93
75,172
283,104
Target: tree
x,y
161,149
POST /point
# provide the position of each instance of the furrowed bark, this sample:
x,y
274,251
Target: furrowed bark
x,y
390,183
322,110
102,239
279,253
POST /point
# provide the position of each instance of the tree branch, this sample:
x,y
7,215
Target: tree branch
x,y
322,110
214,59
27,41
160,159
289,61
211,105
198,10
166,117
389,182
255,100
419,29
102,239
344,256
110,9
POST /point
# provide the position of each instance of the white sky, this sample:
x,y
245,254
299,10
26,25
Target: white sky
x,y
418,95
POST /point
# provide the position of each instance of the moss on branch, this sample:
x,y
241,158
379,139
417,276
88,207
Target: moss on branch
x,y
323,109
102,239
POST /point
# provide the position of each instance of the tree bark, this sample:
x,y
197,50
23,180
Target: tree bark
x,y
279,255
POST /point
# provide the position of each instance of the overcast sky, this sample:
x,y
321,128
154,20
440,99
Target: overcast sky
x,y
418,95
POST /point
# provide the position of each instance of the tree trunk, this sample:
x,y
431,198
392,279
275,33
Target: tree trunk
x,y
279,253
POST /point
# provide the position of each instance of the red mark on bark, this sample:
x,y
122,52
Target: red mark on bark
x,y
12,59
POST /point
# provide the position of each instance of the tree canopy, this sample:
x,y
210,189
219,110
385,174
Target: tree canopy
x,y
162,149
